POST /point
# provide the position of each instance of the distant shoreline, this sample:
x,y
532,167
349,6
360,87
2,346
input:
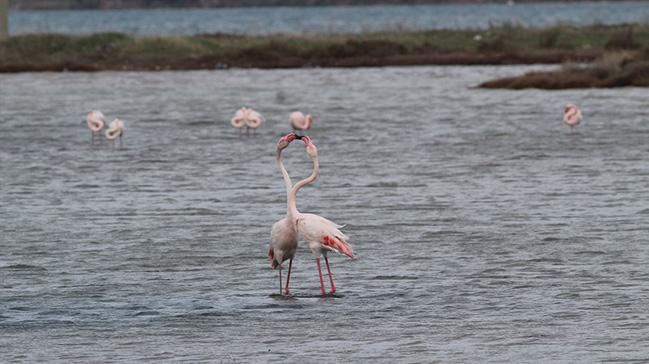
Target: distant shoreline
x,y
193,4
624,48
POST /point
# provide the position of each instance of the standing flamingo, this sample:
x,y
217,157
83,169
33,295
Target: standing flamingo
x,y
253,121
238,120
323,235
246,117
96,122
115,130
283,235
300,122
571,115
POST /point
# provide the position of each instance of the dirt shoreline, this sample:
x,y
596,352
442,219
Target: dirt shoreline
x,y
505,45
210,63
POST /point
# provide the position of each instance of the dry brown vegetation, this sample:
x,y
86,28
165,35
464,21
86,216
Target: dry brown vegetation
x,y
498,46
623,62
615,69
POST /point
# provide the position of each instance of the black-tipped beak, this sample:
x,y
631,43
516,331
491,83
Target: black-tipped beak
x,y
298,137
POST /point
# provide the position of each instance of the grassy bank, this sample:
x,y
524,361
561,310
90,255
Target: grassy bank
x,y
498,45
613,69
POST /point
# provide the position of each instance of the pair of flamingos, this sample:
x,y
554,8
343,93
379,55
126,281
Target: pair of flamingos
x,y
246,117
323,235
251,119
96,122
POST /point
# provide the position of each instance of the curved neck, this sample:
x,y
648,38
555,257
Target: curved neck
x,y
287,179
292,197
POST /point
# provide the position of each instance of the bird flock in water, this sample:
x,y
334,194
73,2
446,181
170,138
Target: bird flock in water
x,y
96,123
322,235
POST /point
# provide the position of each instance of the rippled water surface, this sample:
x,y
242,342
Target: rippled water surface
x,y
484,229
335,19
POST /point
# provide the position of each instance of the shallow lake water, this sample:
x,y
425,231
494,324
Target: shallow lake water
x,y
484,229
327,19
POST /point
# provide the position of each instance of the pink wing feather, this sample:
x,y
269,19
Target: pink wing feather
x,y
315,228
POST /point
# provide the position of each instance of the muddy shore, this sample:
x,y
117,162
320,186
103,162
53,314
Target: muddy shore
x,y
503,45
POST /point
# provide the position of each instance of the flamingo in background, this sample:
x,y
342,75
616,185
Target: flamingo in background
x,y
300,122
323,235
571,115
283,235
246,117
115,130
96,122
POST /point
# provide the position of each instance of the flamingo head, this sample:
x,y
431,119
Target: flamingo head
x,y
569,107
310,147
286,140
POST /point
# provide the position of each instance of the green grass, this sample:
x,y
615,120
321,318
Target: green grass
x,y
497,45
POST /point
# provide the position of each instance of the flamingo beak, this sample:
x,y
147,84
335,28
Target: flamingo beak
x,y
288,138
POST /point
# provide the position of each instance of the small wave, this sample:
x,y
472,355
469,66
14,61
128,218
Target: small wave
x,y
211,314
204,308
591,252
201,123
262,307
395,278
431,234
545,260
551,238
86,186
198,315
19,308
25,267
147,313
383,184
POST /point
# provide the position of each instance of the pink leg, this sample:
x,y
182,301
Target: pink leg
x,y
280,279
317,262
288,277
333,288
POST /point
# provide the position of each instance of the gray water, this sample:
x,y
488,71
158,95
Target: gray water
x,y
484,229
335,19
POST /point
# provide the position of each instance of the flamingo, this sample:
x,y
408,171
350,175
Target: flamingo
x,y
96,122
115,130
300,122
323,235
246,117
283,235
571,115
238,120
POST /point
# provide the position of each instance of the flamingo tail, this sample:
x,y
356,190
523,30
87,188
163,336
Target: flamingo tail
x,y
339,245
271,255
